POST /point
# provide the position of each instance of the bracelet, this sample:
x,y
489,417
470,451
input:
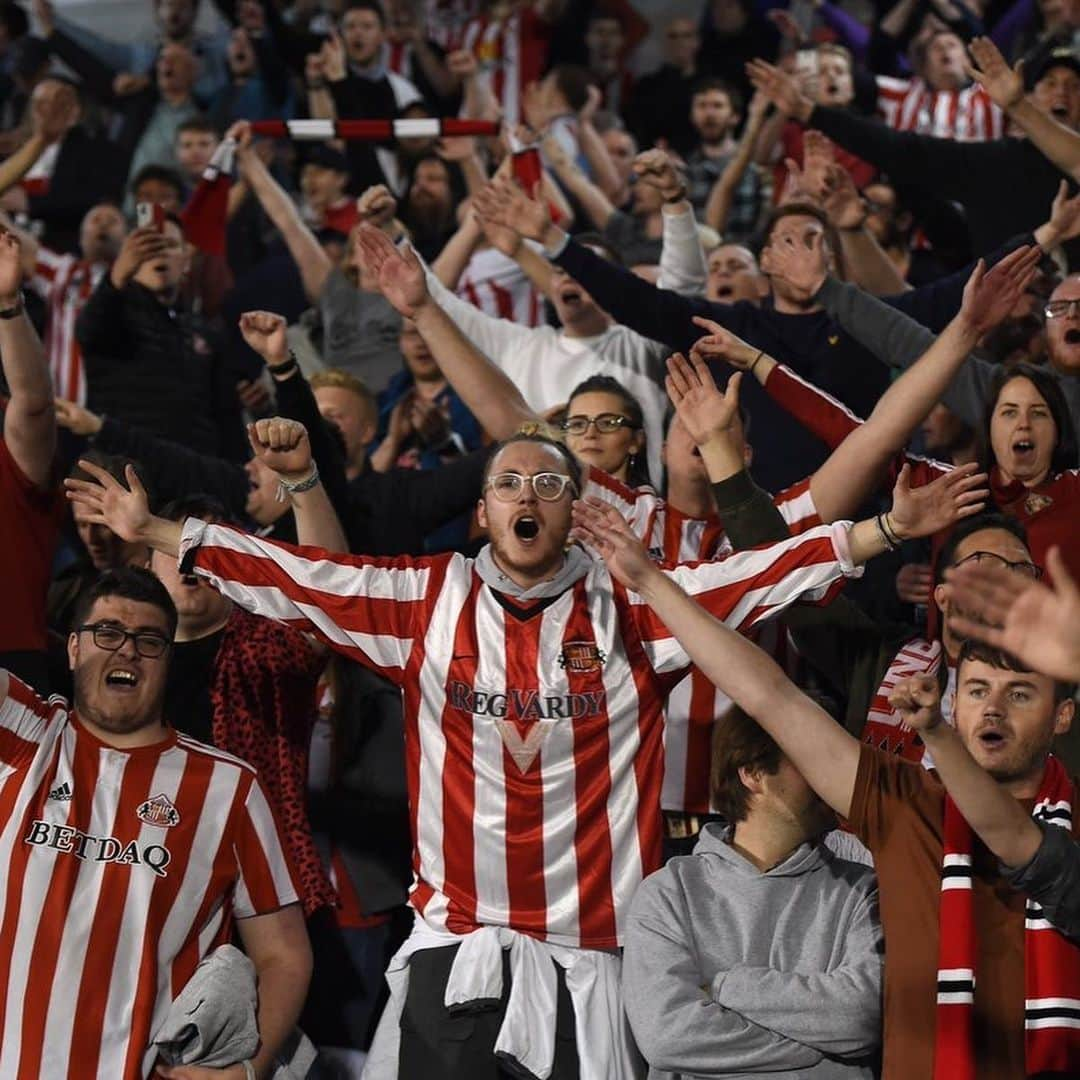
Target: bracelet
x,y
750,369
15,310
285,488
283,371
893,535
889,544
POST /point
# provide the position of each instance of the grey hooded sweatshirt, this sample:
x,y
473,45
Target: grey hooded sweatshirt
x,y
728,971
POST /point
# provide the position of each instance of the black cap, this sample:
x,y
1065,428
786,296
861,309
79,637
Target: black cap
x,y
1059,56
327,157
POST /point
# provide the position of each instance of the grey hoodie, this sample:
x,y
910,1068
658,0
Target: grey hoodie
x,y
728,971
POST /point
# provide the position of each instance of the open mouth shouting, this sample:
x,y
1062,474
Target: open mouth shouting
x,y
992,739
122,679
1072,335
526,528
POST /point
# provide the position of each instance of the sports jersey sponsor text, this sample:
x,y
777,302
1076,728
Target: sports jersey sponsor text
x,y
97,848
526,704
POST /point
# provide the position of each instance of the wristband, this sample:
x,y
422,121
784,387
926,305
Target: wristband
x,y
285,488
14,311
885,538
893,535
283,371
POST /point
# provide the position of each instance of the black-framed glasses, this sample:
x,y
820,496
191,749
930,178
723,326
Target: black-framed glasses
x,y
989,558
1058,309
548,486
605,423
149,645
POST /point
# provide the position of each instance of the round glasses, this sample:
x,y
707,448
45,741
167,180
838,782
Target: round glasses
x,y
605,423
989,558
548,486
147,644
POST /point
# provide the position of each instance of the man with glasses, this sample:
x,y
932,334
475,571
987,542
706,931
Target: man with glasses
x,y
131,852
533,693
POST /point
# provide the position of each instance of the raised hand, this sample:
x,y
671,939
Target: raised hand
x,y
44,16
804,266
11,270
264,331
500,237
918,701
600,527
706,412
281,445
990,295
76,419
398,271
818,155
105,501
456,147
1004,84
462,64
593,101
842,202
377,206
658,169
333,54
780,89
1064,222
139,246
241,134
720,343
503,201
1039,624
925,510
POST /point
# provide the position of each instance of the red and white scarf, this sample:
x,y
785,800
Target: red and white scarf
x,y
883,728
1051,962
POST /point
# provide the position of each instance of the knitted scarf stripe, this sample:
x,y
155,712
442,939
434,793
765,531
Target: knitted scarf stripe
x,y
1051,962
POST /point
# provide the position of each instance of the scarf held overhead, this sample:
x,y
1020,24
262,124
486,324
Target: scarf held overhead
x,y
1051,961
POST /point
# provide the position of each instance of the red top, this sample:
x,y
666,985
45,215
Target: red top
x,y
791,143
341,216
1049,512
263,702
29,527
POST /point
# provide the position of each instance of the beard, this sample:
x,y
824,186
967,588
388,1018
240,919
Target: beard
x,y
119,717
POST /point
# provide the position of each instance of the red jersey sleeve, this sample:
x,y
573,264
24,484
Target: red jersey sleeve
x,y
820,413
24,719
264,878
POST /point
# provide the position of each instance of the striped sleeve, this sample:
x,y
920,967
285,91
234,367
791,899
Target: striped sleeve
x,y
751,586
47,268
369,609
796,506
820,413
638,505
24,718
264,879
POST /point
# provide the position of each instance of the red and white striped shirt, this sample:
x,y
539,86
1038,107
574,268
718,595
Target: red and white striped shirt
x,y
533,730
968,115
65,283
123,869
512,52
695,704
499,287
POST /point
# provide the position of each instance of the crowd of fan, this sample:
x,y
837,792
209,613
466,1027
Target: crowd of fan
x,y
588,748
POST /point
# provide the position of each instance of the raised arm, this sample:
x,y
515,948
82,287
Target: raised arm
x,y
997,818
722,195
816,745
29,421
368,609
655,313
313,262
1005,86
592,198
486,391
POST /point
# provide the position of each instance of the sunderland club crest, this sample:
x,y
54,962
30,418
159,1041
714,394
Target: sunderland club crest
x,y
582,657
158,811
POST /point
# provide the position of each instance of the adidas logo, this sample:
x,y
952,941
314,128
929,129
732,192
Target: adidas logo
x,y
61,793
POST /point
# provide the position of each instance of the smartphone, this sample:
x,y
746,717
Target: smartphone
x,y
527,167
149,215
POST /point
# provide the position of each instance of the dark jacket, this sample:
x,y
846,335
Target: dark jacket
x,y
813,345
87,171
155,366
1006,185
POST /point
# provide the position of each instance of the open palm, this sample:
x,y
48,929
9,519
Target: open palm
x,y
603,529
105,501
925,510
704,410
1004,84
